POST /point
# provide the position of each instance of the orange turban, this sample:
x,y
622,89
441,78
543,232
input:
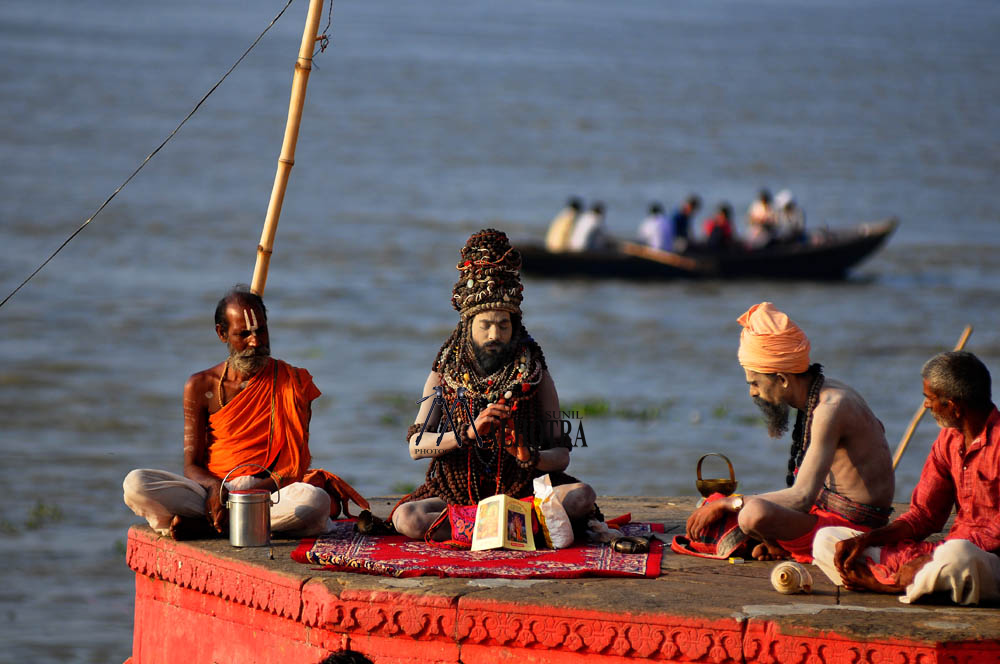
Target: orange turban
x,y
771,342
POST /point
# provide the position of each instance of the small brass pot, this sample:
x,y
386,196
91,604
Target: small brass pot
x,y
723,486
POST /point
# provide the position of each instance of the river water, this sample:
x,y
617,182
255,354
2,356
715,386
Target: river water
x,y
424,122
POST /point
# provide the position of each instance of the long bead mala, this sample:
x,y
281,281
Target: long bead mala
x,y
459,477
802,432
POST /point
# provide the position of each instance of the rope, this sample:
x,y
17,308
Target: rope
x,y
151,154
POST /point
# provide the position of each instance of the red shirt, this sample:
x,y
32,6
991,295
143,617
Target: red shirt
x,y
970,478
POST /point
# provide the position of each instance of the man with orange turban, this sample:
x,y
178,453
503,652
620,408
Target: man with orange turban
x,y
840,469
250,415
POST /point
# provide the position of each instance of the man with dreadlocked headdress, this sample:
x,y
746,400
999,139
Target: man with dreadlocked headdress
x,y
492,360
840,470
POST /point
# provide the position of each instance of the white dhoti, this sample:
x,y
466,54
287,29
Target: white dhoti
x,y
301,510
958,567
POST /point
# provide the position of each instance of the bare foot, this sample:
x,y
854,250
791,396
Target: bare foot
x,y
765,551
189,528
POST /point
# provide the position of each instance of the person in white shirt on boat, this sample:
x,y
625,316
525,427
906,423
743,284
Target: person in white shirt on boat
x,y
588,234
760,221
654,231
789,219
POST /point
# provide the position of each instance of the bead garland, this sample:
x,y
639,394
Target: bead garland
x,y
802,432
468,473
222,380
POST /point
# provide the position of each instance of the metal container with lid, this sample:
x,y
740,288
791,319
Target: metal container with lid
x,y
249,512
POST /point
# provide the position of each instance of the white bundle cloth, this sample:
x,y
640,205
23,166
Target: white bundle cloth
x,y
960,568
555,523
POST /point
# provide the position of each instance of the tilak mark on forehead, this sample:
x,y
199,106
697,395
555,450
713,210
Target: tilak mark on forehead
x,y
247,317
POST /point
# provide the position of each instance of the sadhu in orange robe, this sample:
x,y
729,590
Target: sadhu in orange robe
x,y
267,424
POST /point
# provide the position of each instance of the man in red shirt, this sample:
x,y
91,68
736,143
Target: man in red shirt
x,y
963,469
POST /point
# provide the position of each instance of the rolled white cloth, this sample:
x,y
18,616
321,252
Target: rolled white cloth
x,y
960,568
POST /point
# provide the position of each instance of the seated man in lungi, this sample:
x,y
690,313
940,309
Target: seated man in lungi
x,y
249,409
963,468
492,360
840,469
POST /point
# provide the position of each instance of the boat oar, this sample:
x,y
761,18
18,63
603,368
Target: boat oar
x,y
287,158
660,256
966,333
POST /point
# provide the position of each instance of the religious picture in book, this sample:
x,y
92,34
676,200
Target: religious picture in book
x,y
503,522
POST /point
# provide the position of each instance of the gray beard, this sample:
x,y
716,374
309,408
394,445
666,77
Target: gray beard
x,y
492,360
248,362
776,416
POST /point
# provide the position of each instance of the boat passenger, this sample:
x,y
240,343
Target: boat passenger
x,y
251,408
789,218
588,233
719,228
557,238
761,229
512,400
680,223
654,231
963,470
840,470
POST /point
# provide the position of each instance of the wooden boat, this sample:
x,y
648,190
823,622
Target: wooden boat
x,y
824,256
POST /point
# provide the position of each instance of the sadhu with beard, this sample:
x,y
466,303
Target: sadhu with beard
x,y
840,470
502,371
251,408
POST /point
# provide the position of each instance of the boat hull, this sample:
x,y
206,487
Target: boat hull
x,y
830,259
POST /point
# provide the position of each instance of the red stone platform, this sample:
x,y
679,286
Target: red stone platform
x,y
206,602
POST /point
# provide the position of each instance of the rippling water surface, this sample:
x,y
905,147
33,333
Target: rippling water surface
x,y
424,122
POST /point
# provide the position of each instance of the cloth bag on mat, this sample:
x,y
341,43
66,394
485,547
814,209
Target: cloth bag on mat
x,y
463,521
552,518
723,540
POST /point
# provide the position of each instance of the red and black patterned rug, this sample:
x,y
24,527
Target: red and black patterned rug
x,y
343,550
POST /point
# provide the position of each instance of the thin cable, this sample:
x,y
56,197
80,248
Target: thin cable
x,y
150,156
324,37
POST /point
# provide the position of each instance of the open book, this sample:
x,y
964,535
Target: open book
x,y
503,522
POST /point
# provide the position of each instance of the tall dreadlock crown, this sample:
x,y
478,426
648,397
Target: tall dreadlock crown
x,y
489,275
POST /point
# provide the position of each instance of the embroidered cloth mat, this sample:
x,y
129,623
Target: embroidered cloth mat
x,y
343,550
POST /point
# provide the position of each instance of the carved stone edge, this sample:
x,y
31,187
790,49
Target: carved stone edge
x,y
658,637
489,623
379,612
765,643
188,567
455,620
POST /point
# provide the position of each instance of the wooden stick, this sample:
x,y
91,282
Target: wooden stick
x,y
660,256
287,158
966,333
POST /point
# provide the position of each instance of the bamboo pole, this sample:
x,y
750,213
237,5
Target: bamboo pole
x,y
966,333
287,158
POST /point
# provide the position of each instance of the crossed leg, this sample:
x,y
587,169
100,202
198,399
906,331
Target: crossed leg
x,y
413,519
770,522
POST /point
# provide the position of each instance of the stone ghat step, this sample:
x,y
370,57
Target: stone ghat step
x,y
205,601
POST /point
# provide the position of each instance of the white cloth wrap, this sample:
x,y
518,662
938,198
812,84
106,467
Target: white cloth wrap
x,y
302,510
958,567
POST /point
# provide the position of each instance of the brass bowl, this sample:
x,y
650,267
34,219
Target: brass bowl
x,y
707,487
